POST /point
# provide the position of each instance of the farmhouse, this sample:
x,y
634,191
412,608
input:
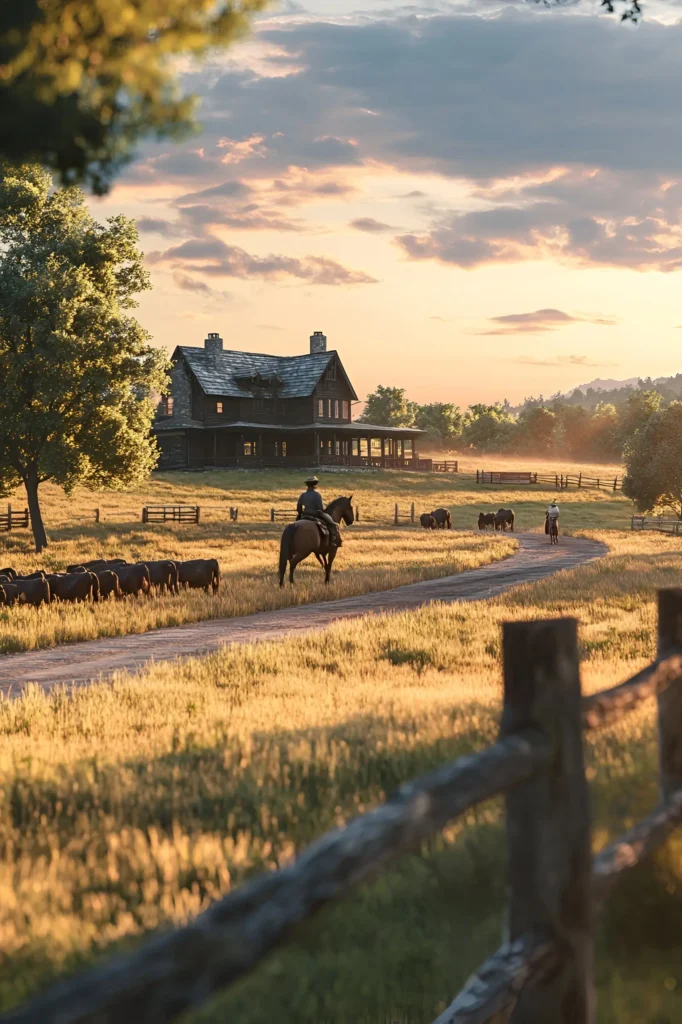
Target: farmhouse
x,y
227,408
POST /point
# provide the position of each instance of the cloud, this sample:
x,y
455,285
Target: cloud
x,y
566,360
370,225
158,226
210,256
190,284
540,321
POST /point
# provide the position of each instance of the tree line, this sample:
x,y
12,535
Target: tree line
x,y
642,428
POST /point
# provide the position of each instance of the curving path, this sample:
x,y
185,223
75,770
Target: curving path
x,y
94,659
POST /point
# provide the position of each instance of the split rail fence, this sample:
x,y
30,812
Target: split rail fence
x,y
398,515
543,970
658,523
171,513
11,520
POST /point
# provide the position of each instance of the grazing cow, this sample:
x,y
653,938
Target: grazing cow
x,y
486,519
164,574
39,575
504,517
427,521
9,572
33,592
97,563
443,518
200,574
8,594
74,586
108,584
134,579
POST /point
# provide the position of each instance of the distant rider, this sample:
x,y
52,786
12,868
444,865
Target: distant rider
x,y
310,503
552,515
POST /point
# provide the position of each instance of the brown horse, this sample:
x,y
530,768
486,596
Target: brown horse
x,y
304,538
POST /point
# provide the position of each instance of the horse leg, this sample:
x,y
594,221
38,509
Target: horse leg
x,y
328,566
293,562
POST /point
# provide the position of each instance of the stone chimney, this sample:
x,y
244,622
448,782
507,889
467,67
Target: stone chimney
x,y
318,343
213,346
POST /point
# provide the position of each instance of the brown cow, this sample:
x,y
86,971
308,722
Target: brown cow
x,y
74,586
108,584
33,592
200,574
134,579
8,594
427,521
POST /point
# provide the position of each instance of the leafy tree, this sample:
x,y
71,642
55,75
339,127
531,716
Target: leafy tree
x,y
76,368
488,428
389,407
653,462
535,430
82,81
442,421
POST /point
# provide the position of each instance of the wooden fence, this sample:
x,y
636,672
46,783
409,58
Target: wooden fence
x,y
658,523
446,466
11,520
398,515
560,481
543,970
171,513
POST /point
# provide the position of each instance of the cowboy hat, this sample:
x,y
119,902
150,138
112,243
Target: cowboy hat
x,y
311,480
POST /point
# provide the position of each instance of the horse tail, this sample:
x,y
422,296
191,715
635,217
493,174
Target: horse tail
x,y
449,521
285,550
512,520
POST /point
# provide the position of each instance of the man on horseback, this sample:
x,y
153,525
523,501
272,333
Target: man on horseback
x,y
311,504
552,516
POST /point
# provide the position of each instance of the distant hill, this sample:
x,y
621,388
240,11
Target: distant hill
x,y
605,384
616,391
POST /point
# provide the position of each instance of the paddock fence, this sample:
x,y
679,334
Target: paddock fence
x,y
11,520
543,969
399,516
560,481
658,523
171,513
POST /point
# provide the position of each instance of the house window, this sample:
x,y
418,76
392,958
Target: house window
x,y
280,448
407,445
364,447
329,408
399,449
258,405
344,447
345,410
329,447
336,408
337,447
355,446
375,447
331,372
388,446
250,448
219,407
320,408
168,405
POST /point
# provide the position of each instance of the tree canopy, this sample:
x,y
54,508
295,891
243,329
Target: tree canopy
x,y
78,374
389,407
82,81
653,461
442,421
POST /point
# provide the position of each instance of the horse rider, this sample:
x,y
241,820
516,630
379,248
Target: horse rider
x,y
310,503
551,515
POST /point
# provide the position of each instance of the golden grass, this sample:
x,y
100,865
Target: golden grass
x,y
137,802
372,558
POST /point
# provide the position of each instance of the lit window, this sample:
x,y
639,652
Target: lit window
x,y
399,449
375,447
320,408
336,408
345,410
219,407
344,447
280,448
329,408
284,448
407,445
337,447
250,448
168,402
355,446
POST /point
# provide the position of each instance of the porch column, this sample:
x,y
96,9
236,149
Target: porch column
x,y
316,444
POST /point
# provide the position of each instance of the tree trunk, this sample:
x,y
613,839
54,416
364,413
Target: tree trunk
x,y
31,484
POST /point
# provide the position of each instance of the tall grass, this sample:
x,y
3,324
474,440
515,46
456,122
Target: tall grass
x,y
372,558
136,803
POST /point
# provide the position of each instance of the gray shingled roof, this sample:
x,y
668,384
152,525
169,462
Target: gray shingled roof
x,y
219,374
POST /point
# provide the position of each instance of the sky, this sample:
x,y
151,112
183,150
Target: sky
x,y
473,200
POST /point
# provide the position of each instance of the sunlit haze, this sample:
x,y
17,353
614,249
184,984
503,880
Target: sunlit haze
x,y
473,201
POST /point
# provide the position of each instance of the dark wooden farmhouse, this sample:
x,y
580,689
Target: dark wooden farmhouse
x,y
228,408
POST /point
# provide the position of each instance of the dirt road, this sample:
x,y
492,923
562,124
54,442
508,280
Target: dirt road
x,y
94,659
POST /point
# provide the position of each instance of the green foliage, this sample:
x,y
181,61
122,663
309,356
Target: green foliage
x,y
77,369
442,421
488,428
389,407
653,460
82,81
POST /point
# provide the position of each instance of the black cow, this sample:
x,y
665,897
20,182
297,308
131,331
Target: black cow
x,y
134,579
74,586
164,574
9,572
33,592
8,594
443,518
200,574
427,521
97,563
108,584
486,519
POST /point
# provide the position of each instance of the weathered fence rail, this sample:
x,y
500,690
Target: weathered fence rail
x,y
11,520
398,515
657,523
543,971
171,513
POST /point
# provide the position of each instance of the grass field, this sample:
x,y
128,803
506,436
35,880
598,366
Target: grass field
x,y
372,558
136,803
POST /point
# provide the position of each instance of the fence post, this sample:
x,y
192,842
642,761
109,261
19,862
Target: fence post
x,y
96,515
580,480
9,517
412,512
357,513
548,820
145,514
670,701
272,515
395,514
476,476
198,511
615,483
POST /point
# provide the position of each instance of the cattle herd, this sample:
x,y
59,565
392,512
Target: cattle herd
x,y
102,578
